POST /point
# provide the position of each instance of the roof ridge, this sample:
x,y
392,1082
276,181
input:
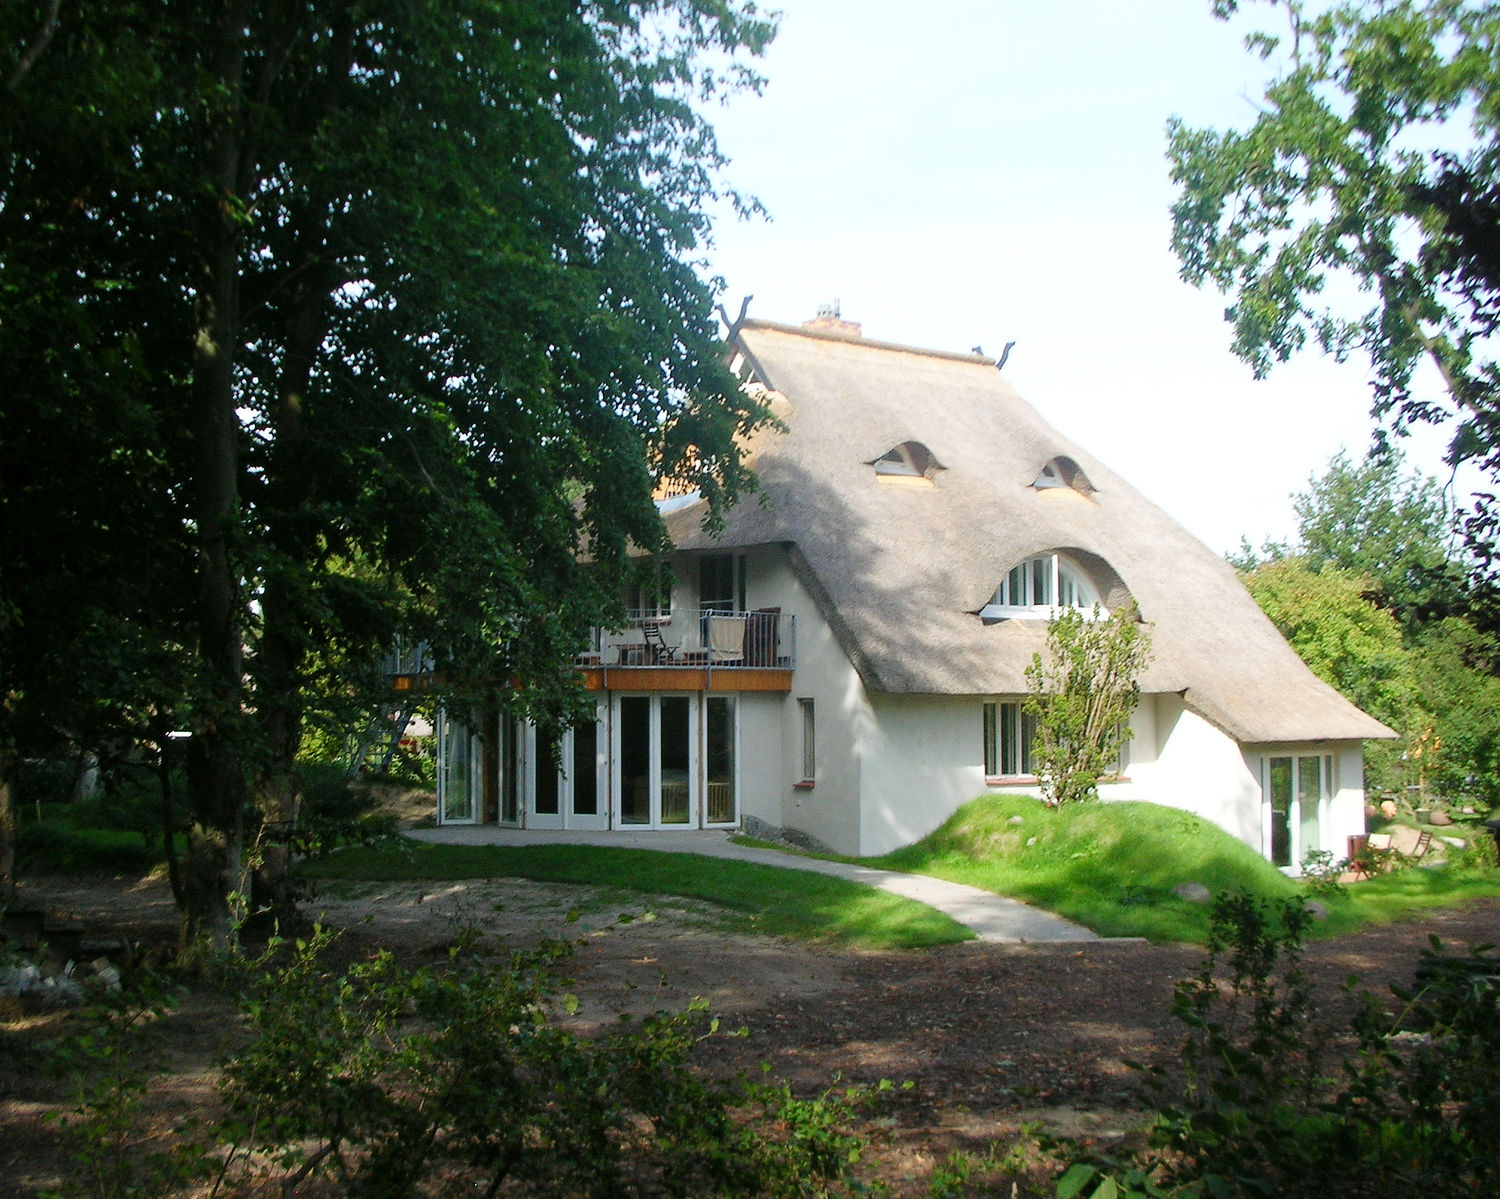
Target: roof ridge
x,y
871,343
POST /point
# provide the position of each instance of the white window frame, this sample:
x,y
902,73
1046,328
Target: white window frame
x,y
1009,735
1297,851
807,715
1041,587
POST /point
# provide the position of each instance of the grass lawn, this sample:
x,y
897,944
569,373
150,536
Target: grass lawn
x,y
766,899
1113,867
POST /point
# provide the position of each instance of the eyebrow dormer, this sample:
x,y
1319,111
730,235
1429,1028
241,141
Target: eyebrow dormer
x,y
909,460
1063,472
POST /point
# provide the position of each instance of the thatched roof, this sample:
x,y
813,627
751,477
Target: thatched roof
x,y
901,567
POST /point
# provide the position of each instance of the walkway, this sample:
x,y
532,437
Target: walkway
x,y
991,917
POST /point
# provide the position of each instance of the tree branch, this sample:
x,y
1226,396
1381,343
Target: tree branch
x,y
43,40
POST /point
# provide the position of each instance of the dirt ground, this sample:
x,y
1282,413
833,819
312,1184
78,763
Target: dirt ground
x,y
989,1036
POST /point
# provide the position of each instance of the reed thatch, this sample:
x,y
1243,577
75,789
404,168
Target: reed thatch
x,y
900,567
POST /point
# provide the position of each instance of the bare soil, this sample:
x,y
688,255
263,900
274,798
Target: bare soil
x,y
989,1036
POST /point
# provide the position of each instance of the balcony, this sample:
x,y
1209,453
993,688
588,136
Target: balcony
x,y
697,650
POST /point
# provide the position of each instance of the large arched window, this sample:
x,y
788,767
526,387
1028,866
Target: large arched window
x,y
1039,587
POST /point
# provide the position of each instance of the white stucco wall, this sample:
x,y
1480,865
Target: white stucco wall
x,y
925,759
1181,761
829,809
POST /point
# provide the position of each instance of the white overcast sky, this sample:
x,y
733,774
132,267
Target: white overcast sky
x,y
970,172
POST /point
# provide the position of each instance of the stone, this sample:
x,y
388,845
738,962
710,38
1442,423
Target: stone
x,y
1016,820
1440,818
1192,892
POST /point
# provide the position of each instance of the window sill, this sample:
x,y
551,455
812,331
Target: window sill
x,y
1012,780
804,785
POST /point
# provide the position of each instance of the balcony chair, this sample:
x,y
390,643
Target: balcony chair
x,y
656,647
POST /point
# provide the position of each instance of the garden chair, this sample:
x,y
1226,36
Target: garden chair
x,y
656,645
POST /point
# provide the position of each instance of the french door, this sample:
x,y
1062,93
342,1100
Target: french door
x,y
459,771
1295,791
655,761
564,774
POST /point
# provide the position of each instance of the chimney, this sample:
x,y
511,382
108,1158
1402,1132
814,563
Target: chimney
x,y
828,320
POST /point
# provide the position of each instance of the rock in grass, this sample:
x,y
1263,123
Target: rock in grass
x,y
1192,892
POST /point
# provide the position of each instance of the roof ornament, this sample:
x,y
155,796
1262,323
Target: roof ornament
x,y
830,319
1004,354
733,326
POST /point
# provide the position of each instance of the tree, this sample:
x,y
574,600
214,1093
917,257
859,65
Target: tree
x,y
1349,641
1359,211
407,298
1082,696
1370,597
1390,527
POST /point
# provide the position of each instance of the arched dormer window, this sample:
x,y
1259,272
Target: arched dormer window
x,y
910,460
1039,587
1063,472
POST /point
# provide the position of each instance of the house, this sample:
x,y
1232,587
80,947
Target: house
x,y
846,659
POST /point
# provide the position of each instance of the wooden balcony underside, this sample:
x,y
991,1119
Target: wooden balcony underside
x,y
687,678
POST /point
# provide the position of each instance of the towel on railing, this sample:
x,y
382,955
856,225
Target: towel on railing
x,y
726,638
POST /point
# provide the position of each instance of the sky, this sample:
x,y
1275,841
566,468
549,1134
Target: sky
x,y
961,173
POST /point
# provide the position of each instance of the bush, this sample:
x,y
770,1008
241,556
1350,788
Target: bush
x,y
383,1081
1414,1110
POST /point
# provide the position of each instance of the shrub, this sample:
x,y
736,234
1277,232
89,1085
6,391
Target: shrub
x,y
1415,1108
383,1081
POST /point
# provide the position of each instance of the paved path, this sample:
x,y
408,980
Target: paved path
x,y
992,917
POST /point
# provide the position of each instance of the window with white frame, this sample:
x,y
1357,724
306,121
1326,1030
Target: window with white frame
x,y
809,740
1063,472
1039,587
1009,732
910,459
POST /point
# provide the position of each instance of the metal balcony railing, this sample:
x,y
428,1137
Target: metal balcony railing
x,y
711,638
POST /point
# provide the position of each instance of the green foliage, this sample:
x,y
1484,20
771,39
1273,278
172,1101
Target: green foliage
x,y
1082,696
1348,641
63,841
1258,1112
262,413
1456,677
383,1080
1364,598
1387,526
110,1063
1371,161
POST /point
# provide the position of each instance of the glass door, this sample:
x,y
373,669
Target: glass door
x,y
720,761
1295,790
655,762
458,771
563,789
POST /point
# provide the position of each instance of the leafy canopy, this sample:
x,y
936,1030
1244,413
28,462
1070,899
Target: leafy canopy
x,y
326,319
1358,212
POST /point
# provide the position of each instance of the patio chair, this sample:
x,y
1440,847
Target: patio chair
x,y
656,645
1424,843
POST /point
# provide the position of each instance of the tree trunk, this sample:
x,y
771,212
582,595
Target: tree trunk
x,y
217,791
282,653
7,832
